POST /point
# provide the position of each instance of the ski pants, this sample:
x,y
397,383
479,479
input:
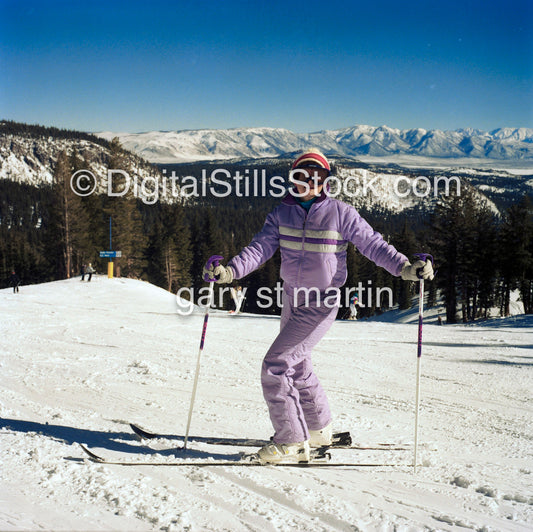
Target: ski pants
x,y
295,398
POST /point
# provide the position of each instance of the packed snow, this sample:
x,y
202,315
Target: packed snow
x,y
80,360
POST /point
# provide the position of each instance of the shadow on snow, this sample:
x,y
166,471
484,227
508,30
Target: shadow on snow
x,y
123,442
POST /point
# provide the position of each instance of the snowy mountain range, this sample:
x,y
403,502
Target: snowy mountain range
x,y
28,154
241,143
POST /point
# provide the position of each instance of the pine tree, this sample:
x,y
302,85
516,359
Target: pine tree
x,y
169,254
485,262
126,222
69,220
83,241
406,242
464,237
446,235
207,241
516,254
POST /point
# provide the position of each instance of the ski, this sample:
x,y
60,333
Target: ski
x,y
239,462
341,440
237,442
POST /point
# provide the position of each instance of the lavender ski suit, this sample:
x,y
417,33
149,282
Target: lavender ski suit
x,y
313,256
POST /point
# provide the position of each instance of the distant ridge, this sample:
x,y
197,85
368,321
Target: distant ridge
x,y
248,143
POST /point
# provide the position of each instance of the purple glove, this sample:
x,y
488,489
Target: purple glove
x,y
214,272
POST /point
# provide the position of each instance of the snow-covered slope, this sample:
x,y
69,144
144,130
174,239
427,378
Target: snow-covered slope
x,y
240,143
32,160
80,360
396,192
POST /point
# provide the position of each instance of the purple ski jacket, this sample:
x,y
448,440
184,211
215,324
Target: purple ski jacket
x,y
313,244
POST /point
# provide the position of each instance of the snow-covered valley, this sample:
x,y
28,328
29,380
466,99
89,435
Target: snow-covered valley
x,y
80,360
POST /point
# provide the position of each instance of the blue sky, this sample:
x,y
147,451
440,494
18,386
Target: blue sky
x,y
305,66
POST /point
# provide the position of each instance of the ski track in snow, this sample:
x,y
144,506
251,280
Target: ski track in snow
x,y
81,360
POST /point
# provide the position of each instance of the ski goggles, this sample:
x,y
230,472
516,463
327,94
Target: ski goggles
x,y
314,174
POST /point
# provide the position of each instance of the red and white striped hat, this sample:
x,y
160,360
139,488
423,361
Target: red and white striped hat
x,y
312,158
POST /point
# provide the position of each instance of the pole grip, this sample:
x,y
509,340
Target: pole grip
x,y
423,257
212,262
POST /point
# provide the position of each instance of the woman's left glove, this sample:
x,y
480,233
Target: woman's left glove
x,y
419,270
221,274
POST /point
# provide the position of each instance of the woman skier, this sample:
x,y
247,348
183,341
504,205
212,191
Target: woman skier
x,y
312,230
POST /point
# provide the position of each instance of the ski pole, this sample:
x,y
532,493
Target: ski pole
x,y
213,261
424,257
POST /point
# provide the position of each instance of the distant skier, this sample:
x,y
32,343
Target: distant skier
x,y
14,281
354,303
313,231
83,269
238,298
89,271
